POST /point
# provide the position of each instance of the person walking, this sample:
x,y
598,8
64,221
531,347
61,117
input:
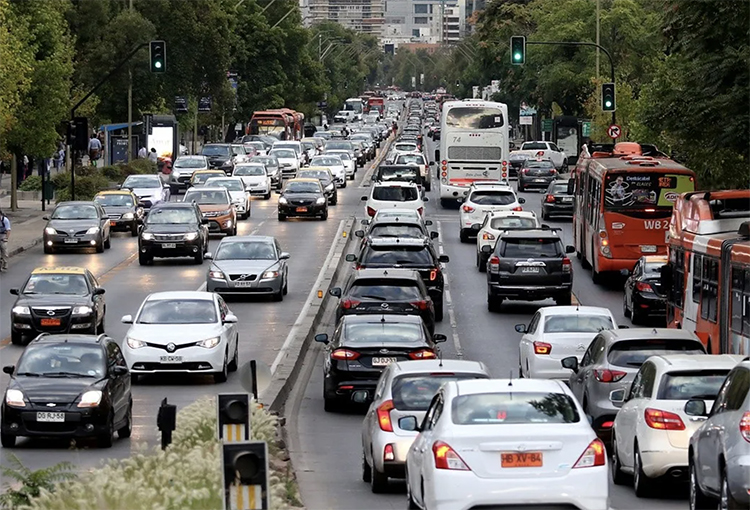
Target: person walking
x,y
152,156
4,236
143,152
95,149
58,159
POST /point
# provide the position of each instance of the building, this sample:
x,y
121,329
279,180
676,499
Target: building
x,y
424,21
470,13
364,16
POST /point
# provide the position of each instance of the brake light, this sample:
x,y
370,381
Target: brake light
x,y
550,199
384,416
388,453
422,305
542,348
344,354
593,456
468,209
371,211
663,420
519,208
420,210
433,275
488,237
607,375
423,354
745,426
553,171
644,287
567,266
525,171
447,458
349,303
494,263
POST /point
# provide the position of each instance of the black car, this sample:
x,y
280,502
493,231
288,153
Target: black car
x,y
68,386
557,200
528,265
173,229
399,291
418,254
220,155
326,180
57,300
644,296
303,197
124,211
76,225
363,345
536,174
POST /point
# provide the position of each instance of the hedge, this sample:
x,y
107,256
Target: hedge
x,y
90,180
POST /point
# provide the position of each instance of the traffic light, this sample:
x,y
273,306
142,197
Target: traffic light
x,y
517,49
234,417
158,56
608,97
245,475
148,124
78,133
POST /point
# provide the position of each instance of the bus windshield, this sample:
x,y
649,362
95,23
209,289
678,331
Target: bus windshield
x,y
643,190
464,117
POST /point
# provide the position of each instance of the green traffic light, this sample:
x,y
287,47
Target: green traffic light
x,y
157,65
607,103
517,57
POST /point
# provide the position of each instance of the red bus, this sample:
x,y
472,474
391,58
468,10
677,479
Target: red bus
x,y
376,103
708,273
623,201
282,123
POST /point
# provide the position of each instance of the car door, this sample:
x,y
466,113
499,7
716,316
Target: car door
x,y
577,379
103,221
116,384
370,423
98,300
627,418
527,341
630,283
421,448
707,454
228,329
284,269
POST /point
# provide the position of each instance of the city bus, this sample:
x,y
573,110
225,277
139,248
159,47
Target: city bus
x,y
623,201
473,147
354,104
282,123
707,277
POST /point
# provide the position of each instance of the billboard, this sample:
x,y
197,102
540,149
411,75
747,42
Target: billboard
x,y
162,139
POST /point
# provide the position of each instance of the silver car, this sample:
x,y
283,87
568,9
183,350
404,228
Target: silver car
x,y
611,362
249,265
182,171
405,388
719,451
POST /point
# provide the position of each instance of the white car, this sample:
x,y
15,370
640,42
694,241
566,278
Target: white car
x,y
651,434
237,192
182,171
556,332
149,189
498,442
496,222
345,116
397,214
482,199
399,148
333,163
350,165
401,195
416,158
288,160
255,178
182,332
543,150
404,388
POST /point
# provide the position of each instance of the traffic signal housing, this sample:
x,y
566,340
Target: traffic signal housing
x,y
608,97
78,134
518,50
234,417
158,56
245,473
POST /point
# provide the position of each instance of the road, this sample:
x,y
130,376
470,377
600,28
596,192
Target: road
x,y
326,448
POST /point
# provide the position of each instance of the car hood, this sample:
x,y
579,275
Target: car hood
x,y
147,192
287,161
179,334
73,225
176,228
52,300
253,179
213,207
237,196
61,390
245,266
118,209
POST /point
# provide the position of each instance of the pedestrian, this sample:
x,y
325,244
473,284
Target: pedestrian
x,y
143,152
152,156
58,158
4,236
95,149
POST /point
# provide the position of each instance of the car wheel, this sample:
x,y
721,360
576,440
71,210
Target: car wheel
x,y
330,405
324,216
494,303
144,259
641,483
16,337
520,369
100,246
235,363
597,277
635,316
482,263
127,429
428,187
545,214
267,196
520,187
344,184
282,217
198,257
106,439
464,236
564,300
697,498
279,296
286,287
366,472
7,440
726,501
625,309
100,327
108,242
221,377
439,310
618,477
410,503
378,481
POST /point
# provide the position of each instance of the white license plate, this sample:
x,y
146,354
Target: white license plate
x,y
567,200
170,359
529,269
382,362
538,180
70,240
243,284
169,245
50,417
648,248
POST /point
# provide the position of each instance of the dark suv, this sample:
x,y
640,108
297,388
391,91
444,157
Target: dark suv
x,y
418,254
528,265
173,229
536,174
220,155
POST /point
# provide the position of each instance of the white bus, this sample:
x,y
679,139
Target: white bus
x,y
355,104
473,146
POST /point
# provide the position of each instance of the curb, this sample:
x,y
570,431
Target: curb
x,y
20,249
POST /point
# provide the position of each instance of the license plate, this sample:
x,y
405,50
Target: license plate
x,y
567,200
243,284
529,269
170,359
50,322
112,223
169,245
648,248
382,362
525,459
538,180
71,240
301,209
53,417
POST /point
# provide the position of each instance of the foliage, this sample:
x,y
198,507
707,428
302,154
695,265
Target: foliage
x,y
86,187
32,483
32,183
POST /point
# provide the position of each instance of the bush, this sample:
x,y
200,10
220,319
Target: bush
x,y
86,187
32,183
113,173
140,166
61,180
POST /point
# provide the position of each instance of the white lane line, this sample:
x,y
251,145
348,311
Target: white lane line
x,y
449,299
313,295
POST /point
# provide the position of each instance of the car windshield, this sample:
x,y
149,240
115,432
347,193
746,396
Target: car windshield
x,y
406,147
315,174
302,187
492,197
284,153
344,156
142,181
75,212
62,360
632,353
201,178
308,145
289,146
395,193
170,215
414,392
115,200
703,384
258,146
406,214
206,197
216,150
369,333
266,160
475,117
396,231
513,408
397,174
513,222
525,248
410,160
238,149
190,163
339,145
73,284
177,311
249,170
577,323
250,250
392,256
386,291
229,184
325,161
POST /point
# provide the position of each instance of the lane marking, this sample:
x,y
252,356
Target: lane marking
x,y
449,299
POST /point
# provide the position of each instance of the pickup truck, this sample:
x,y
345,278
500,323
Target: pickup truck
x,y
541,150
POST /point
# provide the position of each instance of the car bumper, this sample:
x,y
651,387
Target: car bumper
x,y
738,472
78,422
120,225
77,242
310,210
259,190
26,325
528,293
148,360
288,171
534,182
656,307
448,191
181,249
220,225
659,458
566,209
269,286
401,444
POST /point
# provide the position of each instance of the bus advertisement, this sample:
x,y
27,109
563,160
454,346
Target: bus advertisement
x,y
473,146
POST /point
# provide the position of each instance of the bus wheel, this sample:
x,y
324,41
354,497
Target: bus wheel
x,y
444,203
597,277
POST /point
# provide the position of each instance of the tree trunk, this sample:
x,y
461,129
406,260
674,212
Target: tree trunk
x,y
13,183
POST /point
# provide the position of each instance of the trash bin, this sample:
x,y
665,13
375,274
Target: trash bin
x,y
48,191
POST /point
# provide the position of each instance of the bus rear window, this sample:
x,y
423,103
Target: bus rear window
x,y
644,190
474,118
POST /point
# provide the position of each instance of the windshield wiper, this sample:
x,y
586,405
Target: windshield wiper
x,y
29,374
65,374
369,296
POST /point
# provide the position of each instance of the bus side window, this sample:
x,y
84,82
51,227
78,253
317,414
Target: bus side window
x,y
738,299
697,268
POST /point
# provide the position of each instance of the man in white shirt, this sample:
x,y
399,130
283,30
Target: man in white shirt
x,y
95,149
143,152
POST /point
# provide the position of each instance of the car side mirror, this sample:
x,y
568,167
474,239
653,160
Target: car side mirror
x,y
693,407
322,338
439,338
8,369
120,370
98,291
284,256
360,396
363,199
570,249
208,256
624,272
359,233
521,200
428,223
487,249
432,163
444,259
425,199
127,319
46,218
230,319
335,292
571,363
15,291
476,227
521,328
617,397
434,235
350,257
408,423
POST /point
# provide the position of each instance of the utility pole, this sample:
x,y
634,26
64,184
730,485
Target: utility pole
x,y
130,106
598,5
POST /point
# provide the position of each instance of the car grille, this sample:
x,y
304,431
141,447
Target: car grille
x,y
300,202
41,427
114,216
184,179
56,312
243,277
169,237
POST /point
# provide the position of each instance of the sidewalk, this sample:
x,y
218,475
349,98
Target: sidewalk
x,y
26,223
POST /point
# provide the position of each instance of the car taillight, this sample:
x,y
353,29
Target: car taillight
x,y
550,199
542,348
420,210
433,275
644,287
663,420
745,426
346,304
370,211
447,458
567,266
594,455
607,375
344,354
422,304
423,354
494,263
468,209
388,453
488,237
518,208
384,415
525,171
553,171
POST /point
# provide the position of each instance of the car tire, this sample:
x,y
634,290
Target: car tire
x,y
126,430
521,187
439,306
134,378
597,277
428,186
635,317
378,481
108,242
330,405
106,439
173,190
324,216
481,263
235,363
697,499
134,230
100,327
464,236
618,476
198,257
267,196
545,214
144,259
221,377
726,501
564,299
344,184
410,503
494,303
16,337
100,246
7,440
278,296
366,471
282,217
642,484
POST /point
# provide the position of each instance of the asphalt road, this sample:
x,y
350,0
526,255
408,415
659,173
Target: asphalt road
x,y
326,447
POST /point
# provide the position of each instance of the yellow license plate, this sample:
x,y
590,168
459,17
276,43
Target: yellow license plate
x,y
524,459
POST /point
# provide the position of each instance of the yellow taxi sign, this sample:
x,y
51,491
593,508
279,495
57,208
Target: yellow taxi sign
x,y
59,270
214,171
115,192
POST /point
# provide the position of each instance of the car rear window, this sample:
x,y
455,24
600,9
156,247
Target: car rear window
x,y
395,193
513,222
632,353
703,384
534,146
531,248
559,188
410,231
492,197
513,408
386,291
377,332
414,392
577,323
392,256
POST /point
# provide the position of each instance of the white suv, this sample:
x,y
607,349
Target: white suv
x,y
401,195
482,199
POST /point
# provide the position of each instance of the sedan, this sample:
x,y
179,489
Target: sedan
x,y
326,180
236,188
255,178
122,208
149,189
288,160
75,225
249,265
644,296
334,164
182,171
182,332
303,197
557,201
536,174
487,444
272,169
350,167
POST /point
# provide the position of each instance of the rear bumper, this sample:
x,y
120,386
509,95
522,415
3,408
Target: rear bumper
x,y
738,471
656,307
566,209
528,293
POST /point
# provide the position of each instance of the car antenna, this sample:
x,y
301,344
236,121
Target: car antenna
x,y
510,378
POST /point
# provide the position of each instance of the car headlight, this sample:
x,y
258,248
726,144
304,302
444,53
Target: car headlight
x,y
135,344
225,212
147,236
128,216
91,398
227,162
50,231
14,398
320,201
92,230
282,200
216,274
191,236
21,310
209,343
270,274
329,186
82,310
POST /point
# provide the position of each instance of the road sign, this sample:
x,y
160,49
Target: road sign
x,y
204,104
614,131
525,120
586,129
546,125
180,104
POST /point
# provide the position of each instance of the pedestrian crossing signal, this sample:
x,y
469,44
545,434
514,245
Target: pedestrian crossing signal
x,y
158,56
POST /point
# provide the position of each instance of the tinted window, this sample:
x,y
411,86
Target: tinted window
x,y
410,159
703,384
115,200
410,231
56,284
391,256
207,197
369,333
395,193
492,197
474,118
249,170
167,215
203,177
246,251
531,248
325,161
539,164
53,359
500,408
216,150
577,324
534,147
303,187
189,163
386,291
738,389
397,174
75,212
340,145
415,392
513,222
632,353
284,153
229,184
315,174
177,311
142,181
